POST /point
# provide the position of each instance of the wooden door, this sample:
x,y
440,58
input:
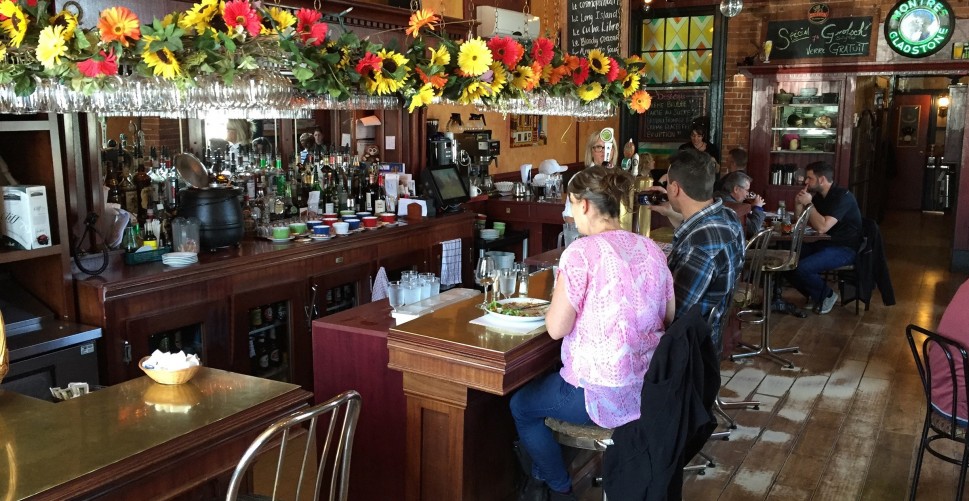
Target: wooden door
x,y
908,136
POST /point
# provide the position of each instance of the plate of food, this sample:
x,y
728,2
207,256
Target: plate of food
x,y
518,310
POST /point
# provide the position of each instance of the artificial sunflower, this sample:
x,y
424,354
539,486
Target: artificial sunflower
x,y
119,24
170,19
422,97
281,19
440,56
598,62
640,101
499,79
589,91
14,23
389,79
474,92
240,17
51,46
200,16
474,57
3,50
162,62
68,20
423,18
521,77
630,84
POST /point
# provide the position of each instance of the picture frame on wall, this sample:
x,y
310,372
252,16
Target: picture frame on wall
x,y
527,130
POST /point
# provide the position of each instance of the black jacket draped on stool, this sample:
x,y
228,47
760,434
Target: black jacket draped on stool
x,y
647,456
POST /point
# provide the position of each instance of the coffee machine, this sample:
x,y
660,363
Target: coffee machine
x,y
481,151
441,149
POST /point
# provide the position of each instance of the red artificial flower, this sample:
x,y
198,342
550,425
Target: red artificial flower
x,y
102,64
621,75
613,72
240,13
309,27
543,51
580,74
507,50
371,63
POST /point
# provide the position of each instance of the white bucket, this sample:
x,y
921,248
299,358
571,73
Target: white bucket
x,y
503,260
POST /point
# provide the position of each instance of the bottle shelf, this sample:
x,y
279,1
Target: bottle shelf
x,y
12,256
263,328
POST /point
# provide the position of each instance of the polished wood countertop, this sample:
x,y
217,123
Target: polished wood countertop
x,y
444,344
114,440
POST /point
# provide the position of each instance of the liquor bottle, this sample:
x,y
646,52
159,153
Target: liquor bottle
x,y
253,358
129,193
142,183
149,238
372,194
111,182
164,226
274,359
262,352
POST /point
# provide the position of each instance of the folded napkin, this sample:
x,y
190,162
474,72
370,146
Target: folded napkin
x,y
379,289
451,262
497,325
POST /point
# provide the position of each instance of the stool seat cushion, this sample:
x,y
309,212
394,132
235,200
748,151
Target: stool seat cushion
x,y
777,260
591,431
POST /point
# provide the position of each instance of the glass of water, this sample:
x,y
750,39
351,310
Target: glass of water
x,y
395,295
507,282
434,282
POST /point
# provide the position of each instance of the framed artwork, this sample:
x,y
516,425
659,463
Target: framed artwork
x,y
527,130
908,126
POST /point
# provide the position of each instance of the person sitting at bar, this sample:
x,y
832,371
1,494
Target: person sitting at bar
x,y
612,301
736,189
836,213
736,160
708,240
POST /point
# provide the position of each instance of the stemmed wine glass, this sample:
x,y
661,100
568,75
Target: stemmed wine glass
x,y
507,280
395,295
484,275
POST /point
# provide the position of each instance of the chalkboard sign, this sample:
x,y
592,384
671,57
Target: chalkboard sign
x,y
838,37
671,114
593,24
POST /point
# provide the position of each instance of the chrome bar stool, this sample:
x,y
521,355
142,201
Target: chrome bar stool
x,y
774,261
578,436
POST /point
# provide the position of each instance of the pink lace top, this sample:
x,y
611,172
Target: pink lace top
x,y
619,284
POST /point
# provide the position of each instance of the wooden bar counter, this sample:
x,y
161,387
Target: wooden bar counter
x,y
457,379
138,439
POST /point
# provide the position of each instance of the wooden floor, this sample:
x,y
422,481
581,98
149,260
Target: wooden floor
x,y
844,424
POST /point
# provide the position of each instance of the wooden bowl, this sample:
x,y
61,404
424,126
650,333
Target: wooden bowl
x,y
169,377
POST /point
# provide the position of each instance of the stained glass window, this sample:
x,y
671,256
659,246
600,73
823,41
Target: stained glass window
x,y
678,50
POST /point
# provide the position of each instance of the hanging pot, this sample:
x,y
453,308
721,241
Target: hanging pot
x,y
218,209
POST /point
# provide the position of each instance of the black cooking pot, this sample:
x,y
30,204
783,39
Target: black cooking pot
x,y
219,209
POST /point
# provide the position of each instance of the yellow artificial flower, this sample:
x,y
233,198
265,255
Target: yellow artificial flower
x,y
3,50
385,81
500,77
51,46
423,97
630,84
421,19
15,24
598,62
590,91
344,58
282,18
162,62
440,56
474,92
200,16
68,20
474,57
172,18
521,77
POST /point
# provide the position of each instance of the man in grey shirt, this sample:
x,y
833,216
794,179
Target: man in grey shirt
x,y
736,188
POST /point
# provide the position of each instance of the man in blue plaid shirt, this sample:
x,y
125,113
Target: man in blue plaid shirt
x,y
708,241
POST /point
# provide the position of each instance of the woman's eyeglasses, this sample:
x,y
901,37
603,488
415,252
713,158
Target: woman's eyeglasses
x,y
598,147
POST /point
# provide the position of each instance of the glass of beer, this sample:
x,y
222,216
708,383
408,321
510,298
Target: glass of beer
x,y
768,45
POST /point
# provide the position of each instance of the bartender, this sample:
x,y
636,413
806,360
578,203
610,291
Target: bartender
x,y
600,149
698,139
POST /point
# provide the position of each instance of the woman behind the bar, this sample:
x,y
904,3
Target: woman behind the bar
x,y
596,155
612,301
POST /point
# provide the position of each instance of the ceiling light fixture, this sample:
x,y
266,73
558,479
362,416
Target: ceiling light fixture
x,y
730,8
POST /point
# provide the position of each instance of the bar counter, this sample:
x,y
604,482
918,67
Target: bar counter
x,y
138,439
458,378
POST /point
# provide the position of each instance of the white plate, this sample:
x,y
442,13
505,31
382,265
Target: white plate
x,y
504,193
180,255
281,240
320,237
528,301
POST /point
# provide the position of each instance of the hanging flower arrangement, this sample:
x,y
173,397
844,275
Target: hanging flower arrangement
x,y
227,38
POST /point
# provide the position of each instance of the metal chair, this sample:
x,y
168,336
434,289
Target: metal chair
x,y
342,411
941,418
773,261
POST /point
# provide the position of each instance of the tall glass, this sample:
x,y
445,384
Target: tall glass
x,y
433,281
484,276
394,295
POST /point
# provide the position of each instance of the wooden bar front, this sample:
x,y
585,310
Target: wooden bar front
x,y
458,378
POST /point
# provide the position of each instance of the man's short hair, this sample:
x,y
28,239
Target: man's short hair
x,y
739,156
821,169
694,171
735,179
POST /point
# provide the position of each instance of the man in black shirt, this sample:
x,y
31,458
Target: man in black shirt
x,y
835,213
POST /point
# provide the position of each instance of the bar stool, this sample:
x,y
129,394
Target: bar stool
x,y
587,437
774,261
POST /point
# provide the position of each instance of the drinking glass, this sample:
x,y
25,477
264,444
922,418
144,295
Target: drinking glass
x,y
507,281
425,287
484,276
411,291
395,295
433,282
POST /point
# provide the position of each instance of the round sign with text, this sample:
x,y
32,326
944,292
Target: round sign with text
x,y
919,28
819,13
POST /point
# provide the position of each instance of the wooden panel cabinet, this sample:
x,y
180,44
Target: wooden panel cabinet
x,y
209,306
31,148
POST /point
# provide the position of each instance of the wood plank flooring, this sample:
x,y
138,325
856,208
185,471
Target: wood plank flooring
x,y
844,424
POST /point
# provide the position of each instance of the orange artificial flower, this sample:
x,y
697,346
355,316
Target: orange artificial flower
x,y
421,19
640,101
119,24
